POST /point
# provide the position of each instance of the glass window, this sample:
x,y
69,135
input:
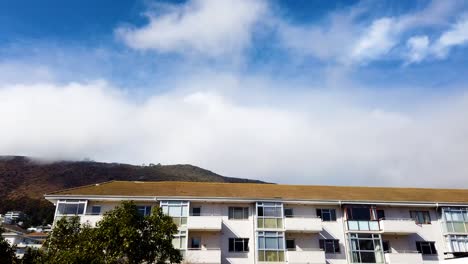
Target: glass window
x,y
238,244
270,246
96,210
380,214
178,210
290,244
366,248
144,210
179,240
330,245
196,211
195,242
359,213
327,214
288,212
269,215
421,217
71,207
426,247
238,213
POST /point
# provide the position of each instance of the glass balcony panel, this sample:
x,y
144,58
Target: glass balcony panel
x,y
374,225
363,225
353,225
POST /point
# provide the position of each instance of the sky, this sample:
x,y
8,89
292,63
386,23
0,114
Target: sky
x,y
370,93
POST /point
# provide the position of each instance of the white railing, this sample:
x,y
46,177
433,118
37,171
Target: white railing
x,y
404,257
306,255
205,255
399,226
208,223
303,224
90,219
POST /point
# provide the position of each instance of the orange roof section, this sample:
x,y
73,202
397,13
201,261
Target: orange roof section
x,y
267,191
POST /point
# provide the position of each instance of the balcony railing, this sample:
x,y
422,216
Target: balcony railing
x,y
404,257
90,219
306,255
402,226
306,224
208,255
363,225
205,222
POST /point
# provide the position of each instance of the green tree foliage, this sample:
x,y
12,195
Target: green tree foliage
x,y
122,236
7,253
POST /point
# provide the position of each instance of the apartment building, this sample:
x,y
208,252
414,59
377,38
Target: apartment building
x,y
265,223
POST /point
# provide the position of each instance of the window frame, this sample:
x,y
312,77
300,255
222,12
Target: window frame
x,y
431,244
415,214
232,242
323,211
286,240
232,209
96,206
195,208
335,244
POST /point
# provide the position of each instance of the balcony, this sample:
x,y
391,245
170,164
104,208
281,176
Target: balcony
x,y
363,225
399,226
90,219
303,224
204,223
311,255
209,255
84,219
412,257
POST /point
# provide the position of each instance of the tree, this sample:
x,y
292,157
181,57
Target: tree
x,y
7,253
126,235
122,236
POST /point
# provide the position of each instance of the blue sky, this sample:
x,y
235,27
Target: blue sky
x,y
316,92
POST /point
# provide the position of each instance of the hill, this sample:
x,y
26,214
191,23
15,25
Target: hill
x,y
24,181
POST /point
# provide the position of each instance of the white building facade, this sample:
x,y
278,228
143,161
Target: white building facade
x,y
259,223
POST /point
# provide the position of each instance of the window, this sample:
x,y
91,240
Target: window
x,y
386,246
330,245
456,219
179,240
421,217
270,246
238,245
288,212
196,211
238,213
269,215
178,210
327,214
366,248
96,210
195,243
426,247
291,244
380,214
144,210
359,213
70,207
457,243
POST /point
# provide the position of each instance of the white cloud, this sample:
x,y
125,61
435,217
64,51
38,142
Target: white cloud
x,y
207,27
418,48
457,35
376,41
318,138
347,39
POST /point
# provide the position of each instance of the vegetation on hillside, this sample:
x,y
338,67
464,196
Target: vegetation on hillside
x,y
24,181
